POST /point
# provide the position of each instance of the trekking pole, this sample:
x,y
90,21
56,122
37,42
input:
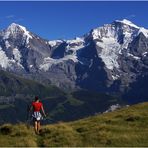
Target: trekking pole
x,y
48,118
28,117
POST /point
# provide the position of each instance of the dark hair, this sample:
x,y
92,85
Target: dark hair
x,y
36,98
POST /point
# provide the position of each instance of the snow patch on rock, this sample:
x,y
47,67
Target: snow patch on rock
x,y
30,66
113,108
17,55
72,45
7,44
54,42
135,57
48,62
110,49
4,61
144,54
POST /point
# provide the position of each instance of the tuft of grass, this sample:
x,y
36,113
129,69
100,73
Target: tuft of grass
x,y
16,135
59,135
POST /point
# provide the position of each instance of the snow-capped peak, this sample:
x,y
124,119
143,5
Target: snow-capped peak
x,y
15,29
139,29
127,22
112,39
13,25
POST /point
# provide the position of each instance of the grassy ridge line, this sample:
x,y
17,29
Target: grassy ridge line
x,y
124,127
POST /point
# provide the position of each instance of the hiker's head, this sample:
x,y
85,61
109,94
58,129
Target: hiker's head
x,y
36,98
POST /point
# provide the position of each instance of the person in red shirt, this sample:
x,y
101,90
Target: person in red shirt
x,y
37,107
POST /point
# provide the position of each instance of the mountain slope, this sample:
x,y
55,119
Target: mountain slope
x,y
124,127
24,86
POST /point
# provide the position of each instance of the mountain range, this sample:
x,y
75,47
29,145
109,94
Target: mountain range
x,y
111,59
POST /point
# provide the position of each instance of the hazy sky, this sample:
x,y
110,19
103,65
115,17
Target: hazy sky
x,y
55,20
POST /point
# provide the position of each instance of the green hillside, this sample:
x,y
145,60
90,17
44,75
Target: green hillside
x,y
79,104
16,93
124,127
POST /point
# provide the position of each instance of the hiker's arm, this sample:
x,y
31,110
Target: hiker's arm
x,y
43,110
30,109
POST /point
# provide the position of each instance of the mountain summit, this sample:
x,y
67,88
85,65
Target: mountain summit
x,y
14,30
112,58
127,22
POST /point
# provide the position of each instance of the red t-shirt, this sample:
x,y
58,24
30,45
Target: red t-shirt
x,y
37,106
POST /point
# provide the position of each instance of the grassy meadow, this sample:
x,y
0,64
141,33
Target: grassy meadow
x,y
124,127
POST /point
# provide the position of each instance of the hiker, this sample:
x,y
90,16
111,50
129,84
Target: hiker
x,y
37,106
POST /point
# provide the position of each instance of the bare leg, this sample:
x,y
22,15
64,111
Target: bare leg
x,y
38,126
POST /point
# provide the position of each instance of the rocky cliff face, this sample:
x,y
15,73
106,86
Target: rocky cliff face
x,y
110,59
